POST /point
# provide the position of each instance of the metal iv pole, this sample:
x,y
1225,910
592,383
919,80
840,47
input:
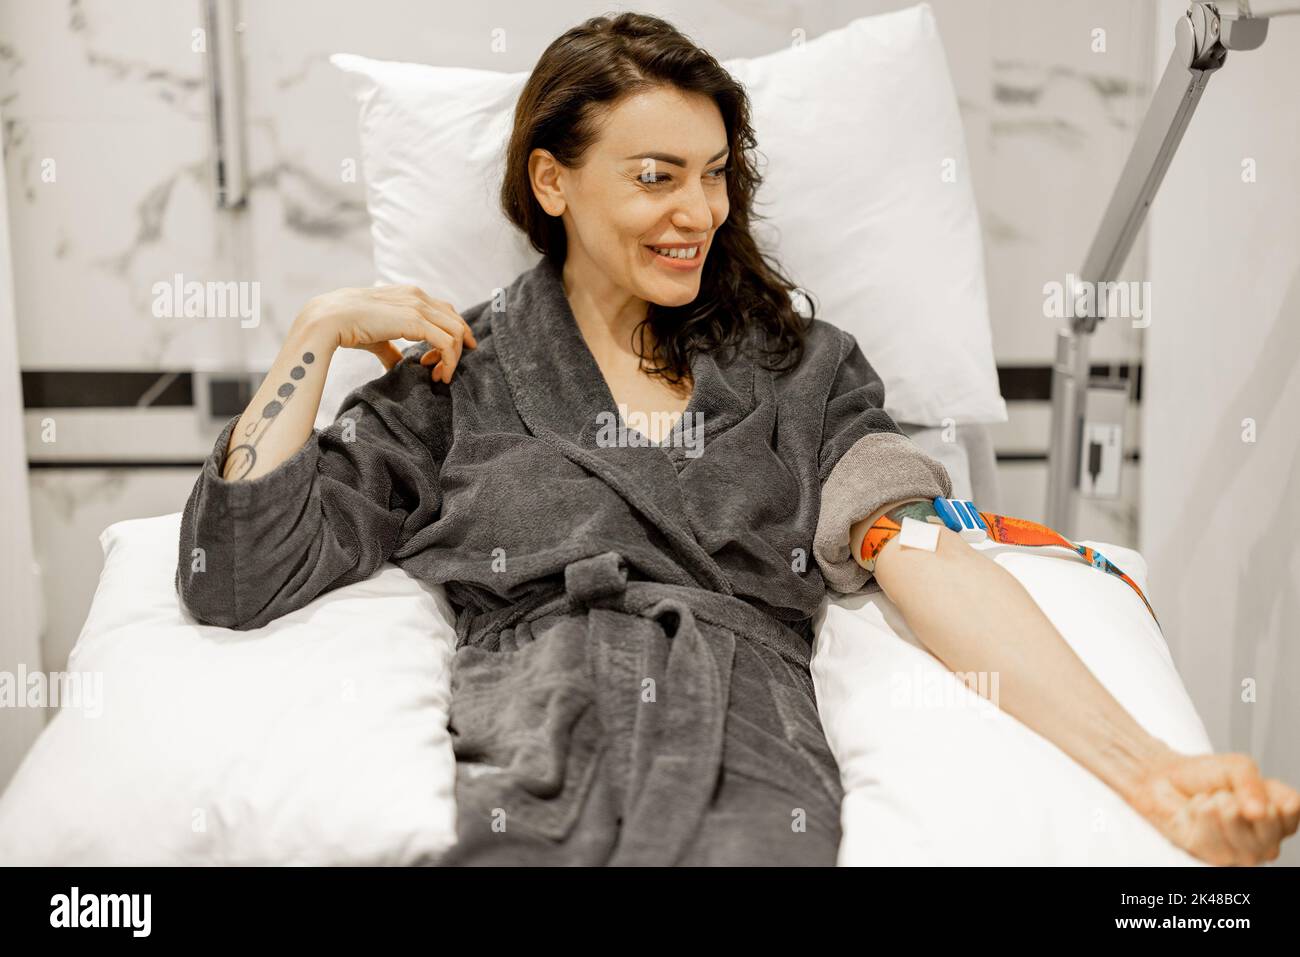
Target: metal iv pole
x,y
1202,38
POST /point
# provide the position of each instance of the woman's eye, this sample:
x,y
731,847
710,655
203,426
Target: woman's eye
x,y
654,179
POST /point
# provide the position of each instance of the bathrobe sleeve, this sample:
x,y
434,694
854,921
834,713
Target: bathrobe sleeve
x,y
866,463
329,515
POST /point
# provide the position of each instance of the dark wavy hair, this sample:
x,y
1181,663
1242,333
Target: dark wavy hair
x,y
589,69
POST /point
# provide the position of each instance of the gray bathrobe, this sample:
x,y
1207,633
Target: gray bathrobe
x,y
631,680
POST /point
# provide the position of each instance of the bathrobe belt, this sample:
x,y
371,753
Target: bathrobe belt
x,y
602,581
667,754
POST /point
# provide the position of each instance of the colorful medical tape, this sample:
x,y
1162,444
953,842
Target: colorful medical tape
x,y
973,525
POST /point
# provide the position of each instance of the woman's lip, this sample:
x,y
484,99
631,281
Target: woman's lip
x,y
682,265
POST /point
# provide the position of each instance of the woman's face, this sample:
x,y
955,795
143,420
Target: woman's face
x,y
655,177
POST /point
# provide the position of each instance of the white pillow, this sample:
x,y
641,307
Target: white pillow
x,y
936,774
859,129
320,738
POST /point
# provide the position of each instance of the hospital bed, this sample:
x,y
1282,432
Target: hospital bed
x,y
322,737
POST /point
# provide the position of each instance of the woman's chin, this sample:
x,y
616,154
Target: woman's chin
x,y
669,291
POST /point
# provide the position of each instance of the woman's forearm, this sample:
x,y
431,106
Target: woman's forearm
x,y
282,413
975,617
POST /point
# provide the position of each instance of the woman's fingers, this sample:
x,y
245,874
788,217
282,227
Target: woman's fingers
x,y
372,318
1269,833
1207,839
451,334
1249,845
1287,801
433,357
1248,786
441,342
446,316
448,341
388,353
1224,811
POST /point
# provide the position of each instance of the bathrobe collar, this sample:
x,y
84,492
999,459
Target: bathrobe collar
x,y
558,386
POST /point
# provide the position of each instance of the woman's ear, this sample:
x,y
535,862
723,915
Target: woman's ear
x,y
544,176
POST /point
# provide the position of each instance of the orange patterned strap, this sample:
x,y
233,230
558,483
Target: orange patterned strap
x,y
889,525
974,525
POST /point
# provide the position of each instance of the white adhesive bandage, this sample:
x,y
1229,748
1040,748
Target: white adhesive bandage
x,y
914,534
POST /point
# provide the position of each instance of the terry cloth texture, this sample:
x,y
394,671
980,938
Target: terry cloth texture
x,y
881,468
631,678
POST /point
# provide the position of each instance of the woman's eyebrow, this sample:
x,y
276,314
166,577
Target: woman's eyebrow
x,y
676,160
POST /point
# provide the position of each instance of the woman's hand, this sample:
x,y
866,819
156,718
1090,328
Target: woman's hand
x,y
1217,806
370,318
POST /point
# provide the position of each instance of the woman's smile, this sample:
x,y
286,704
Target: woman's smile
x,y
678,256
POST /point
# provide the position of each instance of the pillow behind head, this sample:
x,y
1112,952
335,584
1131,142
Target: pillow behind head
x,y
867,202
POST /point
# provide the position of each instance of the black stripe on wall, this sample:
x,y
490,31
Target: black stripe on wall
x,y
102,389
1001,457
151,464
1133,456
115,464
1034,383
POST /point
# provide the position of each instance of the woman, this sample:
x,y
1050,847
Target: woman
x,y
631,680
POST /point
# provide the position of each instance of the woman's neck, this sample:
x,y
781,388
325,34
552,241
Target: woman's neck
x,y
605,313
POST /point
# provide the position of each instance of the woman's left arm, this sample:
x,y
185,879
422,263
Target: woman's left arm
x,y
1218,806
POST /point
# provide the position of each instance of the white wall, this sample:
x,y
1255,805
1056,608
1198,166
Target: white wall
x,y
1220,515
19,591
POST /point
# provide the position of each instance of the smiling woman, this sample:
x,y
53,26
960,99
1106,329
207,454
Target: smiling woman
x,y
638,226
631,683
631,166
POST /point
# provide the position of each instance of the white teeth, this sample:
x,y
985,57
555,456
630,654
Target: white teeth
x,y
687,253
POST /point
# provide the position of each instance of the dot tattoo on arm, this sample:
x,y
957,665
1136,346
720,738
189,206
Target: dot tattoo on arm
x,y
243,457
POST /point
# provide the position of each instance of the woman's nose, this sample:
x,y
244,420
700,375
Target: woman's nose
x,y
694,215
